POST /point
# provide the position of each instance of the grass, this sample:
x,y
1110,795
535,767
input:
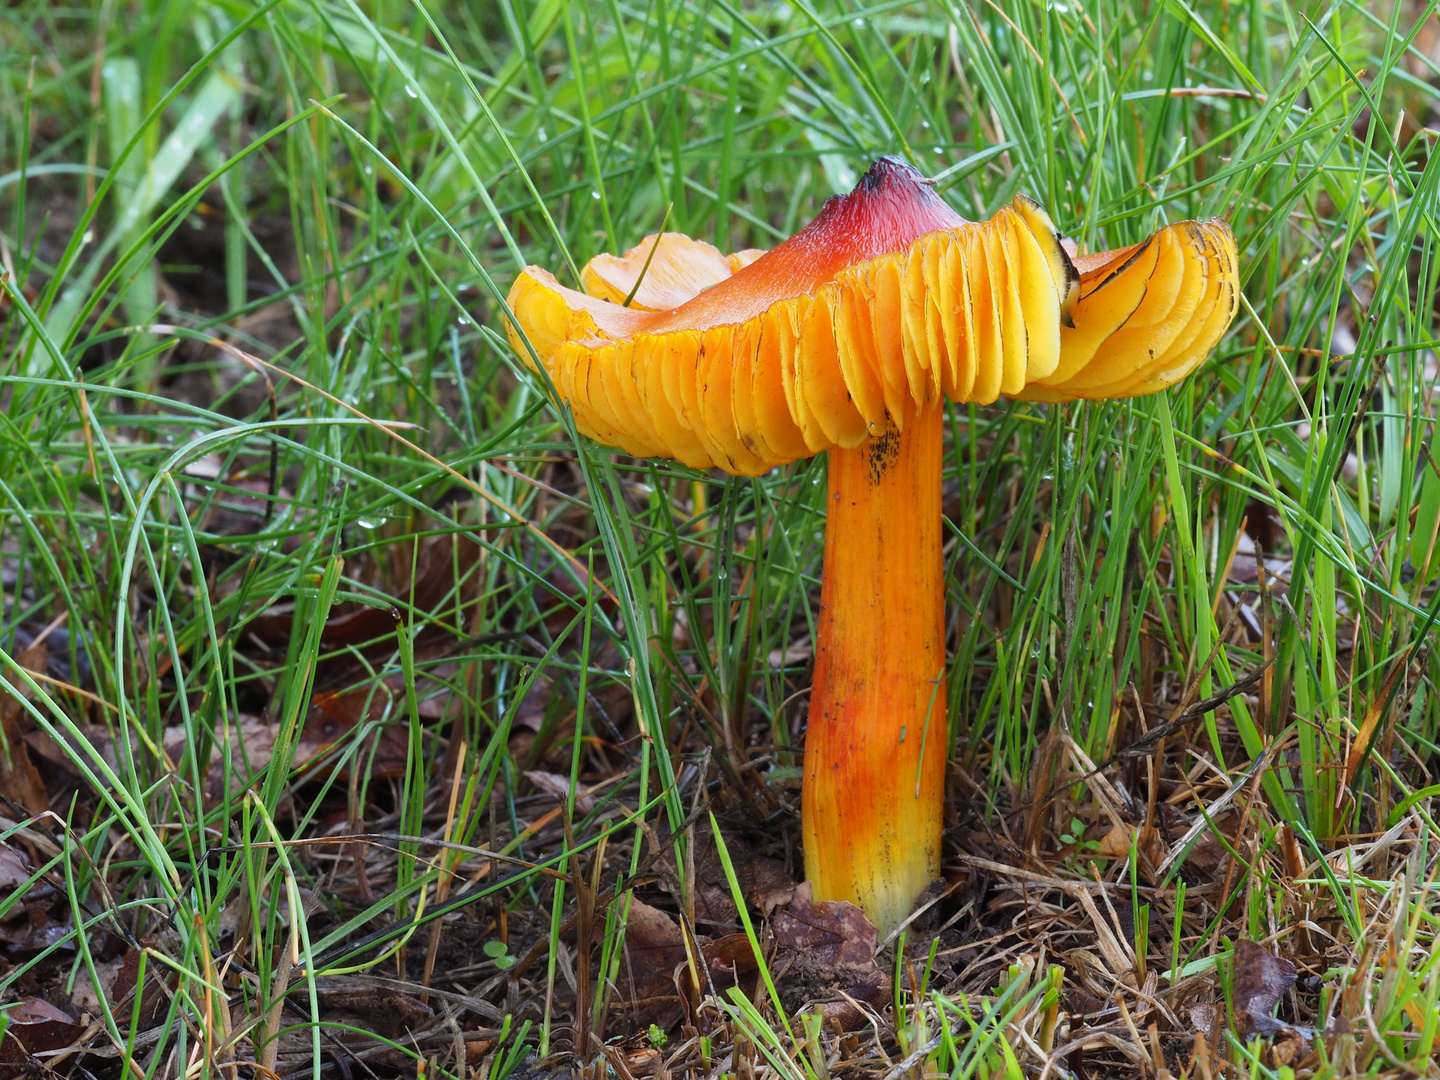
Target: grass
x,y
358,707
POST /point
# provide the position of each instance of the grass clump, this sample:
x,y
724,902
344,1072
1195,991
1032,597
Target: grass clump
x,y
359,718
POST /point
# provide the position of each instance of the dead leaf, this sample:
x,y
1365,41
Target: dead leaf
x,y
730,955
558,786
1288,1048
117,986
334,715
439,563
1262,526
35,1027
365,1007
26,937
764,881
40,919
823,949
1078,1002
12,870
1260,980
832,932
794,655
1115,844
19,779
1373,715
846,1012
645,1062
1205,1021
1210,858
1293,861
654,947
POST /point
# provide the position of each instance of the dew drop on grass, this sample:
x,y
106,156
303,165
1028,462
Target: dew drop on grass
x,y
369,523
595,195
411,91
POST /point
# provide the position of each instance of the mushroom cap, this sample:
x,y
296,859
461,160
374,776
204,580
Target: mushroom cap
x,y
883,304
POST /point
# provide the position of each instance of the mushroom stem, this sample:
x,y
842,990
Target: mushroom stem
x,y
876,739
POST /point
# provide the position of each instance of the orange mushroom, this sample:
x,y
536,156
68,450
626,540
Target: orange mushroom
x,y
845,338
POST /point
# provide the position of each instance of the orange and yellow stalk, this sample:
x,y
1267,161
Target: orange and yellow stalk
x,y
875,747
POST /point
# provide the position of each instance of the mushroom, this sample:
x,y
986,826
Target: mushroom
x,y
846,338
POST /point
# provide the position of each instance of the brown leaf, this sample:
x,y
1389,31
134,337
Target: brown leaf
x,y
654,947
1263,526
823,950
333,716
1080,1002
438,564
1287,1049
645,1062
1210,858
1373,715
831,932
19,779
37,1027
1290,855
20,937
558,786
764,881
1115,844
117,986
1260,980
767,883
389,1013
41,918
476,1049
1205,1020
845,1013
12,870
731,955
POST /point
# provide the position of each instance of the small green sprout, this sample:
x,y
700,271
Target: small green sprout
x,y
497,952
1076,835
